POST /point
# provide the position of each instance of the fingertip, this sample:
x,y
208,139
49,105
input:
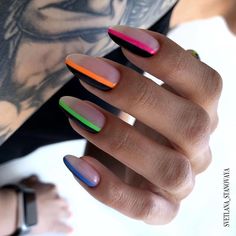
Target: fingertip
x,y
82,170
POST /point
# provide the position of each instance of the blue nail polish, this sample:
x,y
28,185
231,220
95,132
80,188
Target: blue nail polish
x,y
76,173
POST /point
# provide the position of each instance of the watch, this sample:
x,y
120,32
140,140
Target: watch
x,y
26,209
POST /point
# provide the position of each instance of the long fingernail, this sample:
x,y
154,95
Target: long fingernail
x,y
82,170
84,114
134,40
93,71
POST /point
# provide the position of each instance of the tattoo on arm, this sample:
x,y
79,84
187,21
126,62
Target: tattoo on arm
x,y
36,35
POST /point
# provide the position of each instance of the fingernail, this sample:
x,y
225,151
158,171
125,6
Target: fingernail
x,y
134,40
194,53
82,170
84,114
93,71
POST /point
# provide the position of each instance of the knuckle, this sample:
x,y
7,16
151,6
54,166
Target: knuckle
x,y
177,175
155,212
115,196
185,180
214,123
52,187
145,94
180,64
119,143
148,209
201,162
213,83
196,125
208,160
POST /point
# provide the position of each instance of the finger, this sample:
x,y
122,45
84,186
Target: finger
x,y
61,227
211,110
51,188
64,213
159,164
62,203
33,178
131,201
182,122
173,65
200,162
30,180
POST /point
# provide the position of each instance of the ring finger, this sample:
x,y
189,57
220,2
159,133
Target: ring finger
x,y
181,121
161,165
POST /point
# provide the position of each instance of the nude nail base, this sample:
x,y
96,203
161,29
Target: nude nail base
x,y
69,114
132,48
77,174
79,123
88,80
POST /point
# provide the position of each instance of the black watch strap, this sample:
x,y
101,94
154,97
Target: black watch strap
x,y
27,209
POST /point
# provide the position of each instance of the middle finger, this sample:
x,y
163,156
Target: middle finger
x,y
181,121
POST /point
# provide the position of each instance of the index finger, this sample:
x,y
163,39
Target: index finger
x,y
164,59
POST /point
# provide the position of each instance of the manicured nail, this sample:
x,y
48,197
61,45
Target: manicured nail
x,y
82,170
84,114
93,71
194,53
134,40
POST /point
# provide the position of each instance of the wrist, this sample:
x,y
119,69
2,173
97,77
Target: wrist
x,y
8,211
26,208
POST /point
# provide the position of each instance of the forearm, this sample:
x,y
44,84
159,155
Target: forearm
x,y
8,209
14,112
34,48
52,17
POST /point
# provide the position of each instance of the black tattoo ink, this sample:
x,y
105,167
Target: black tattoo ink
x,y
35,23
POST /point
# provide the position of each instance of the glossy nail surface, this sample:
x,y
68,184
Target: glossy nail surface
x,y
134,40
84,114
93,71
82,170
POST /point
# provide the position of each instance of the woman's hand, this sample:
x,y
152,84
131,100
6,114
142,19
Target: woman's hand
x,y
53,210
170,143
